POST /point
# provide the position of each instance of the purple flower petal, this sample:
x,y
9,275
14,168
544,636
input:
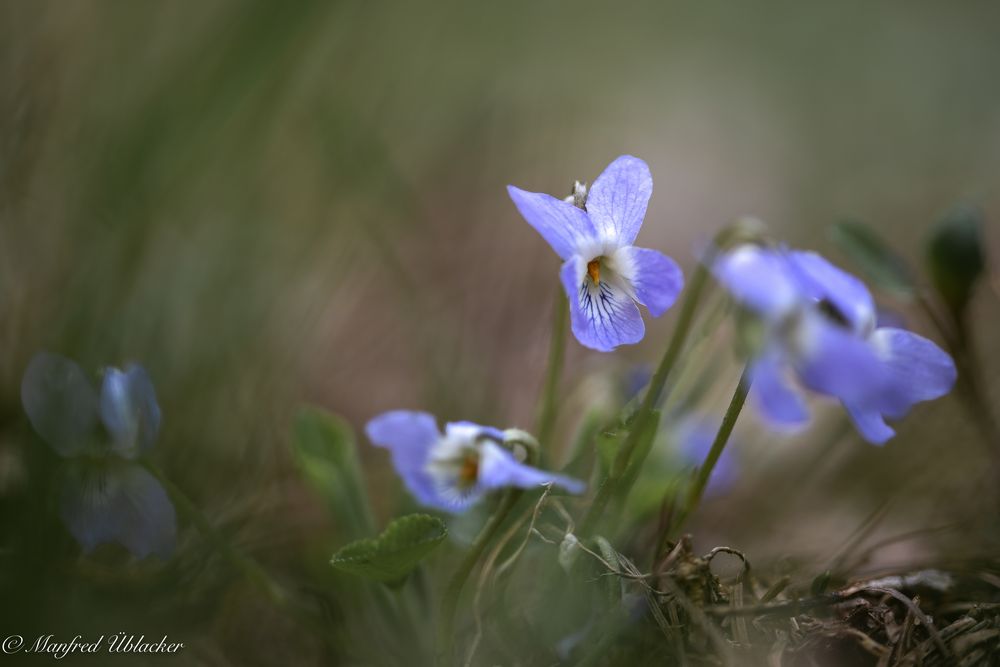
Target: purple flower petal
x,y
409,436
119,502
656,278
759,279
60,402
774,396
602,317
498,468
564,226
869,423
823,281
129,410
835,362
918,369
618,198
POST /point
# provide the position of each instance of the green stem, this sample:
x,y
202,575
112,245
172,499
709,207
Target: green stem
x,y
653,393
446,623
242,563
704,473
557,348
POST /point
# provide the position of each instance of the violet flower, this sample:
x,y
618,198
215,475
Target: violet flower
x,y
107,496
820,332
603,274
694,437
453,470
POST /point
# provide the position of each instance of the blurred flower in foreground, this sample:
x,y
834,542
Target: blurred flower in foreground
x,y
694,437
452,471
820,322
690,435
108,496
682,444
603,274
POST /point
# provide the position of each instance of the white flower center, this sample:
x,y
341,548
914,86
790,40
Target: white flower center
x,y
612,269
454,459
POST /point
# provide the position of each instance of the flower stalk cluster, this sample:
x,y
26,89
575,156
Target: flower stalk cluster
x,y
807,326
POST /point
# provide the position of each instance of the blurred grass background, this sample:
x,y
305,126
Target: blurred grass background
x,y
275,203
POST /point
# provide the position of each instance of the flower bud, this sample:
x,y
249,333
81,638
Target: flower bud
x,y
569,551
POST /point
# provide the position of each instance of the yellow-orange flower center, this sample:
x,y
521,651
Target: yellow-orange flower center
x,y
469,472
594,269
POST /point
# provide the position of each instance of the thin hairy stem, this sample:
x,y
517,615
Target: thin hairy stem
x,y
557,348
446,622
704,473
650,400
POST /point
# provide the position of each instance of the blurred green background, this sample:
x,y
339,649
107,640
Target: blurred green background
x,y
269,204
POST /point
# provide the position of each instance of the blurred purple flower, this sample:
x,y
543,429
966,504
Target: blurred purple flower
x,y
694,437
820,324
108,496
451,471
636,379
603,274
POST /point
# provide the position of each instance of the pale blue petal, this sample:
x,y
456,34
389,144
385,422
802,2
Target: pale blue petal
x,y
129,410
772,393
918,369
409,436
618,198
759,279
498,468
825,282
835,362
564,226
656,278
119,502
601,321
60,402
869,423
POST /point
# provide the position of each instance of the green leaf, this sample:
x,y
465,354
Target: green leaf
x,y
874,258
581,462
325,452
640,454
955,258
391,556
607,444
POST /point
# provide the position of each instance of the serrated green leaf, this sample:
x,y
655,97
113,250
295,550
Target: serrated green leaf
x,y
326,453
391,556
874,258
955,258
615,586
